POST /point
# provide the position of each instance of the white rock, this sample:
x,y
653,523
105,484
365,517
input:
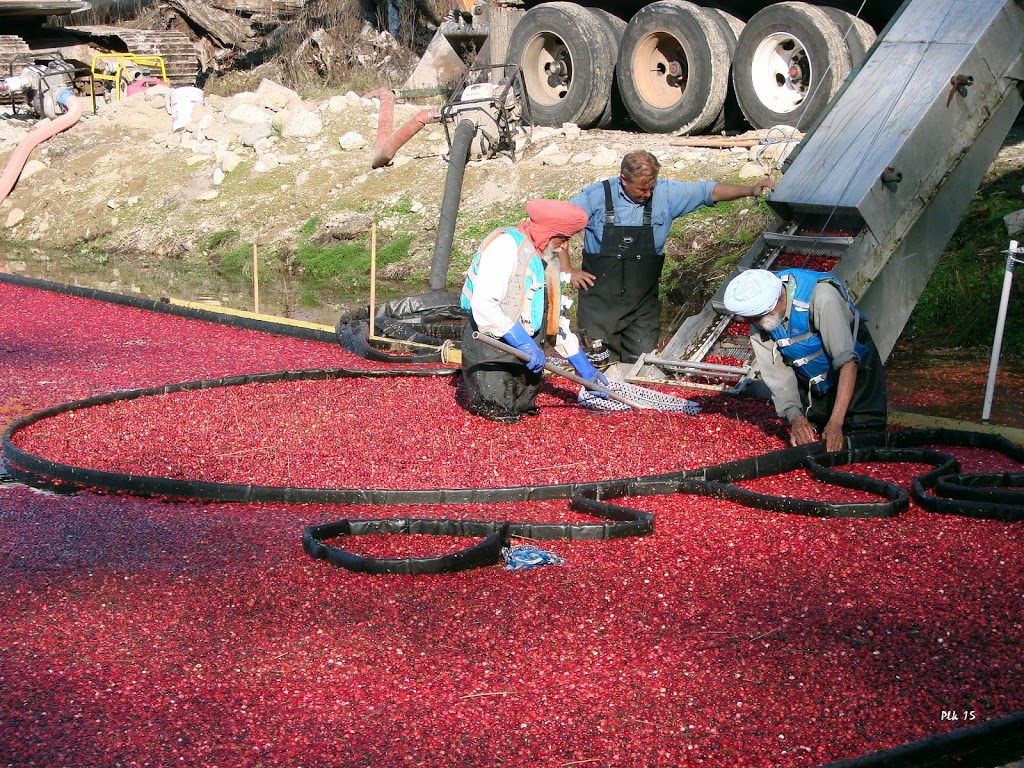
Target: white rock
x,y
218,176
15,217
555,158
276,96
571,131
267,162
605,157
352,141
33,167
302,124
229,161
544,132
751,171
774,152
250,114
251,136
1014,223
265,144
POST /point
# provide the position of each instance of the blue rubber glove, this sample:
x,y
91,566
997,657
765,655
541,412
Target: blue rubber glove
x,y
521,340
587,371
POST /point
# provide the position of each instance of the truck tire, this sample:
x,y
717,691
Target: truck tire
x,y
673,68
568,79
614,27
790,60
859,35
731,27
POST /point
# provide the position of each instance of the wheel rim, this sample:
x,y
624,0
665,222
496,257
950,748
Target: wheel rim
x,y
781,72
547,69
660,70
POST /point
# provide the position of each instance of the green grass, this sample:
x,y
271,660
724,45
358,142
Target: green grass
x,y
347,265
960,303
237,264
722,235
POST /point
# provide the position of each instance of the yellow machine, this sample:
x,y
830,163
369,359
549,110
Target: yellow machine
x,y
123,69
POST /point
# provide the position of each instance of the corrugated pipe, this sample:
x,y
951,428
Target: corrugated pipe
x,y
462,141
389,143
43,131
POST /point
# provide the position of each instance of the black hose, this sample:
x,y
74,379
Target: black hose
x,y
1000,499
461,141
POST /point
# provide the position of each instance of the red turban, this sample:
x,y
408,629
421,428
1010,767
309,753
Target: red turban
x,y
551,218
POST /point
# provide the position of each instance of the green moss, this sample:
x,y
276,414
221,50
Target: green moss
x,y
960,303
237,264
214,241
309,301
347,265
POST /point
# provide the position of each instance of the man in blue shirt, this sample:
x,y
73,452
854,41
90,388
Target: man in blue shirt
x,y
628,221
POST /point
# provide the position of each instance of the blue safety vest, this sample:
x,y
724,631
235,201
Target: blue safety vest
x,y
800,347
524,300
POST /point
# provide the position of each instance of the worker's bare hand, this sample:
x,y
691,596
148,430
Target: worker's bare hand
x,y
832,434
802,432
581,280
764,185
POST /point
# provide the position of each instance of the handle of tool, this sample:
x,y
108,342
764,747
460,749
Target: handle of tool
x,y
612,394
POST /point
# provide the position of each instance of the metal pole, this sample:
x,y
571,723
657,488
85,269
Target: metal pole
x,y
997,342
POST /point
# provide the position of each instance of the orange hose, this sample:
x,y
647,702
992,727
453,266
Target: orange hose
x,y
389,143
43,131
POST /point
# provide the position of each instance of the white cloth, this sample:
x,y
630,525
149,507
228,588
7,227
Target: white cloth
x,y
753,293
497,261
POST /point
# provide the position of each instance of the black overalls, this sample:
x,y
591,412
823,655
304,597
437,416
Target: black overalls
x,y
622,307
499,386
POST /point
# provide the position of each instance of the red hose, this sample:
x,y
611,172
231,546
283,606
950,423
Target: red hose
x,y
389,143
36,136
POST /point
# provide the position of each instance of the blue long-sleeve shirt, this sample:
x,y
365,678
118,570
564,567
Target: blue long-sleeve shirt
x,y
671,200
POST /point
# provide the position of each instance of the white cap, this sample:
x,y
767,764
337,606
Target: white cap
x,y
753,293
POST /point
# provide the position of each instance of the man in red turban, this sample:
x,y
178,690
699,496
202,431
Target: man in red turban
x,y
512,292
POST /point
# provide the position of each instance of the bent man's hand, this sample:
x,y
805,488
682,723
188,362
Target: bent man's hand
x,y
763,186
833,436
802,432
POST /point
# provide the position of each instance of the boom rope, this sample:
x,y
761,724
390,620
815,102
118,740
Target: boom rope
x,y
943,489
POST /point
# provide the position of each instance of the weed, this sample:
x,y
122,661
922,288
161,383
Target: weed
x,y
217,239
237,264
960,302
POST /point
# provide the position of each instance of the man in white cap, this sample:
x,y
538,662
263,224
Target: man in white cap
x,y
813,351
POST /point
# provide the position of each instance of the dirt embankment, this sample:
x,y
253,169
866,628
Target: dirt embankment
x,y
266,165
